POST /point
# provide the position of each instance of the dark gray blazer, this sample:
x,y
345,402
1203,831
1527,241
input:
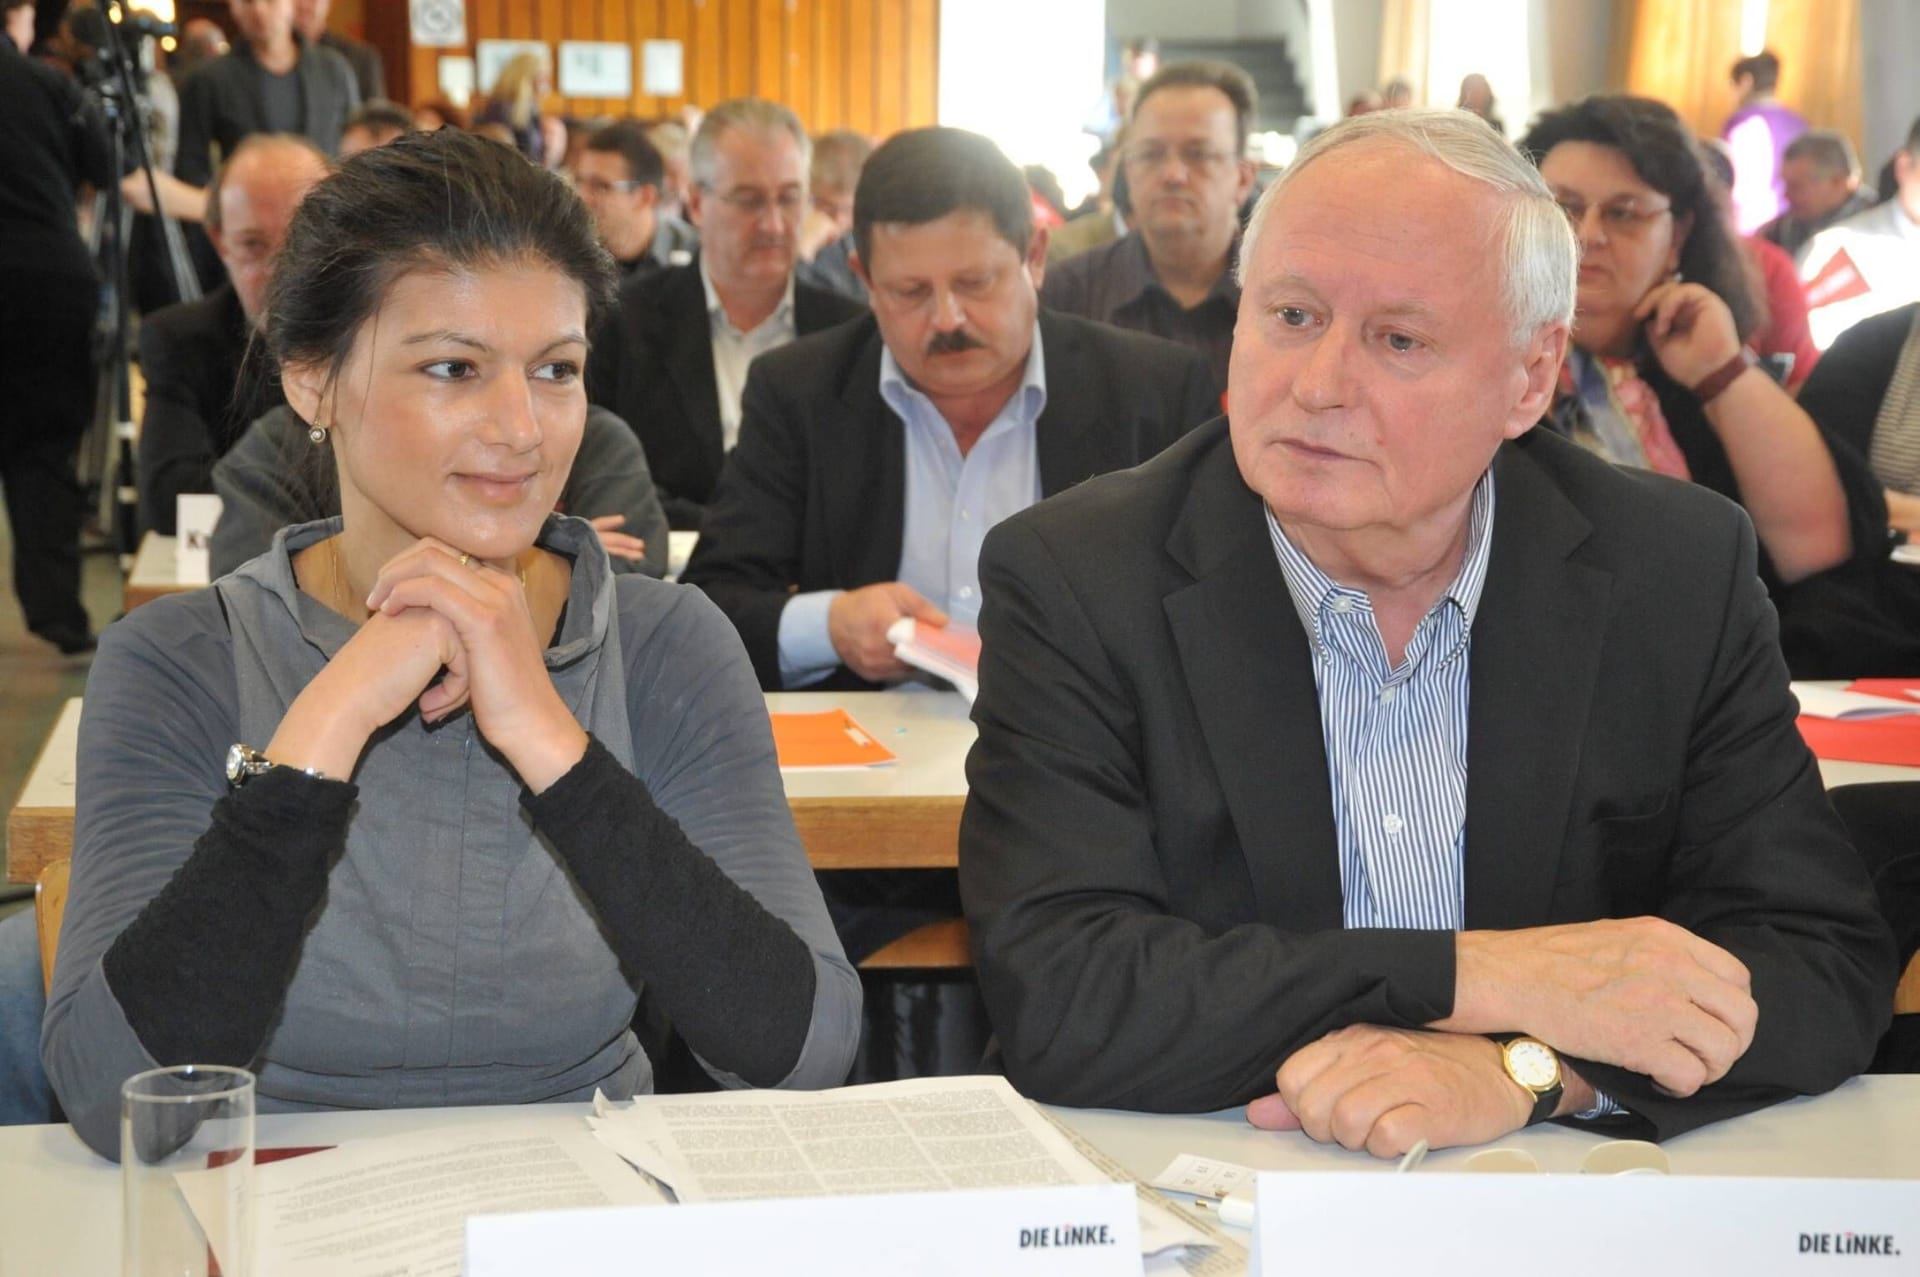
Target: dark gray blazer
x,y
220,104
1148,856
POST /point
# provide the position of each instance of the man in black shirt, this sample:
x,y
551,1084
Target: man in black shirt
x,y
369,75
1187,174
272,82
202,390
619,175
53,139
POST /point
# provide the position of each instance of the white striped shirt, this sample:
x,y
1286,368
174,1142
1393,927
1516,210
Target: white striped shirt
x,y
1396,737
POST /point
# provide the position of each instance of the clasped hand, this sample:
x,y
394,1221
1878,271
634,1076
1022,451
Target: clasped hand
x,y
430,611
1383,1090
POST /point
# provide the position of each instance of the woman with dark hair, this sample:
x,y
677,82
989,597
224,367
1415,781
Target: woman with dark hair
x,y
500,791
1659,375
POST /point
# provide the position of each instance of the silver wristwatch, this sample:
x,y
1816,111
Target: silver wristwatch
x,y
244,762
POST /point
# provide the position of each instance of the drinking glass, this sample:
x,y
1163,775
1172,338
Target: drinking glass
x,y
181,1128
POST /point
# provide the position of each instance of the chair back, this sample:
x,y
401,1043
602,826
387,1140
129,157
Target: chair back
x,y
49,907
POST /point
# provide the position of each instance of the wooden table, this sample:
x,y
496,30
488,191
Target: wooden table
x,y
40,824
904,816
156,571
60,1204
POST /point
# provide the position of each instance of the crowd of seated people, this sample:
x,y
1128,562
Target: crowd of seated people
x,y
1245,481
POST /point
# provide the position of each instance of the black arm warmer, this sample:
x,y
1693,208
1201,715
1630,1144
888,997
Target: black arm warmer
x,y
203,969
736,980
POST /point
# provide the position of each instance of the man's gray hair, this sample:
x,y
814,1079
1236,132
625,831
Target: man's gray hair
x,y
1541,256
752,115
1826,150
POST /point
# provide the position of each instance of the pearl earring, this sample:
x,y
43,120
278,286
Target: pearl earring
x,y
317,433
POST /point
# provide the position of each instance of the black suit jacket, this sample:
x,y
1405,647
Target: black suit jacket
x,y
1148,856
220,104
814,496
202,393
652,364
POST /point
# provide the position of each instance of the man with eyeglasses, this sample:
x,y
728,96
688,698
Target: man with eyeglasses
x,y
618,175
1187,177
202,391
672,359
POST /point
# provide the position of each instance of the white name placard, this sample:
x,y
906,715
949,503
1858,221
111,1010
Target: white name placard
x,y
1080,1231
1440,1224
194,515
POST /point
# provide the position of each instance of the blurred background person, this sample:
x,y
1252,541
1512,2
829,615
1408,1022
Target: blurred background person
x,y
1870,262
440,113
1820,175
674,141
1397,92
1759,131
52,141
1187,176
202,389
200,41
514,101
273,81
1867,392
310,20
1781,336
619,174
375,123
838,156
1476,97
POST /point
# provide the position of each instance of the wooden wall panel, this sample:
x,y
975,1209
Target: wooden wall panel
x,y
871,65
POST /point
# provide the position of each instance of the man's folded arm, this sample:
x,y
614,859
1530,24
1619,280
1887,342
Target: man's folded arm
x,y
1100,996
1765,870
1760,868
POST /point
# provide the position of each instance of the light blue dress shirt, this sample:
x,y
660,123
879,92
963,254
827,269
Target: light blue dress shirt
x,y
951,502
1396,739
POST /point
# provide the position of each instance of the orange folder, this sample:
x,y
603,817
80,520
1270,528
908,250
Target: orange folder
x,y
1880,740
828,739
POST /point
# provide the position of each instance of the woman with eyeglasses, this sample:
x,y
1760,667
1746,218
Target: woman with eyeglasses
x,y
1659,376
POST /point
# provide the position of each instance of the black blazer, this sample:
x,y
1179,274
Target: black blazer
x,y
1148,856
202,393
652,364
220,104
814,496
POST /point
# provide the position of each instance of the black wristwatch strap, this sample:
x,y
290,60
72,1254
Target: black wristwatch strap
x,y
1544,1102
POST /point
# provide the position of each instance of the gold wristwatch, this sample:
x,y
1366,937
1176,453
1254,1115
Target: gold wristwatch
x,y
1535,1068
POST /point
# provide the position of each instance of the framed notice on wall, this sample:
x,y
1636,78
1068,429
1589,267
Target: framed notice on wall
x,y
439,24
590,69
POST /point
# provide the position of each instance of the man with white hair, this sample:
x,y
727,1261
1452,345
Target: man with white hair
x,y
1238,834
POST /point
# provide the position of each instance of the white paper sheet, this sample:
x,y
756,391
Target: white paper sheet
x,y
397,1206
923,1135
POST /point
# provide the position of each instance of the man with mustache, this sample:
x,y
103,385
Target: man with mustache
x,y
1187,176
672,358
874,457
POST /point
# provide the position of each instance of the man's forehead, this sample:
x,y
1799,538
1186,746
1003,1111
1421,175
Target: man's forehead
x,y
965,239
1183,104
1340,229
